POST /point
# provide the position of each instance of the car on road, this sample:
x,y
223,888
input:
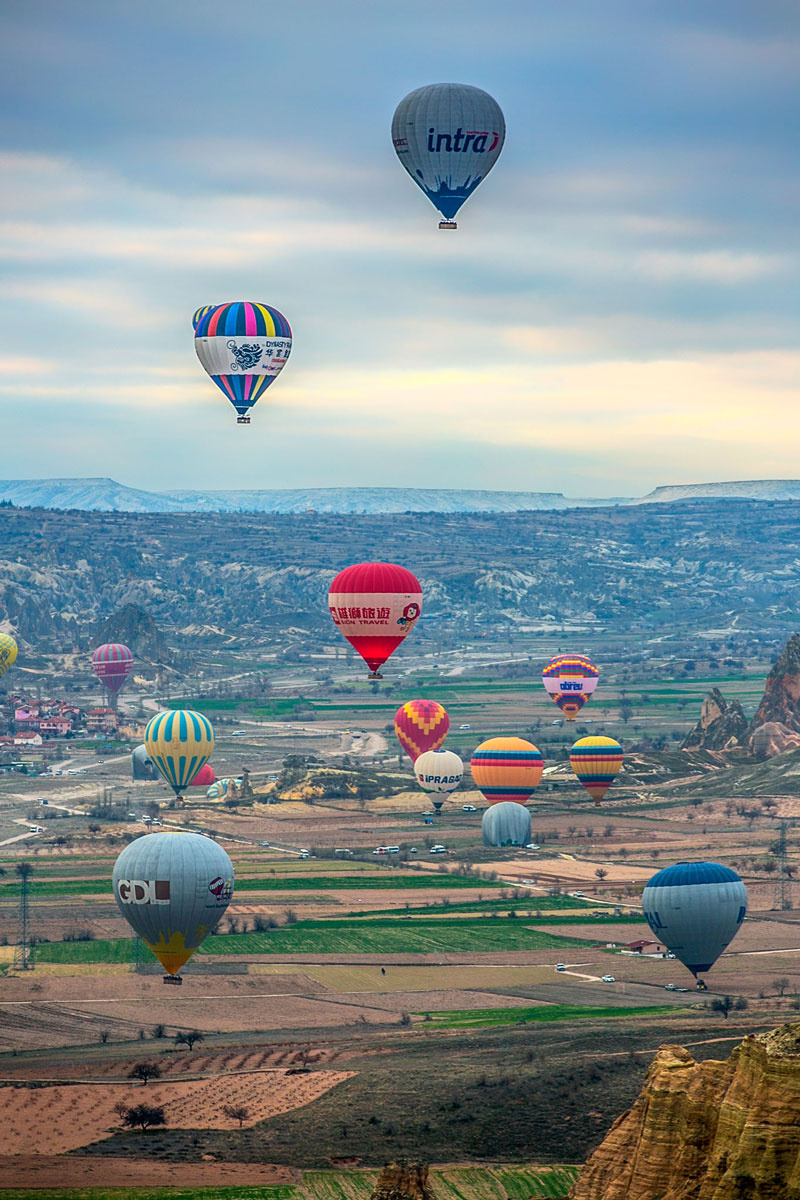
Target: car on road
x,y
305,854
58,771
609,979
413,850
438,850
533,846
561,967
263,843
465,727
429,813
36,829
238,733
670,987
468,808
577,895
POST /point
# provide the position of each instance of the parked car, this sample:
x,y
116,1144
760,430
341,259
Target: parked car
x,y
533,846
670,987
438,850
465,727
561,967
264,843
468,808
609,979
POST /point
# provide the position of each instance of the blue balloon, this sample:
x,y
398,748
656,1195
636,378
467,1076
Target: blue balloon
x,y
695,909
448,136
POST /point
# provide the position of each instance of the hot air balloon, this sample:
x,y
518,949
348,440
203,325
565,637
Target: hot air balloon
x,y
143,768
200,313
570,679
244,347
448,136
204,777
179,742
507,768
112,664
223,788
375,605
506,824
172,889
439,772
8,652
695,909
420,725
596,762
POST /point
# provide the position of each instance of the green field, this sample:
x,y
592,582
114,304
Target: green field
x,y
299,883
450,1183
475,1018
403,935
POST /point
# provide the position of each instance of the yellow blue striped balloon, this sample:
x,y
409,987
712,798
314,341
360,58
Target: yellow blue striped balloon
x,y
8,652
179,742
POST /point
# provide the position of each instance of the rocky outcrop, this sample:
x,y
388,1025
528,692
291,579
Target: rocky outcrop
x,y
403,1181
136,629
707,1131
776,725
722,724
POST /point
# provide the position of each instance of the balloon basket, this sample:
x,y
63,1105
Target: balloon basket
x,y
175,980
701,985
448,225
374,675
242,420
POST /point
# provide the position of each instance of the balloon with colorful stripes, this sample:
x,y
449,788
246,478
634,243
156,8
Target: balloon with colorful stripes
x,y
569,680
179,742
200,313
8,652
421,725
596,762
112,663
507,769
244,347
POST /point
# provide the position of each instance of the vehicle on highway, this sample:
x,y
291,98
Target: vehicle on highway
x,y
609,979
468,808
561,967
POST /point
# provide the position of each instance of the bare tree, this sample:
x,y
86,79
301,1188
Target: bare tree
x,y
601,872
144,1116
781,984
189,1039
236,1112
145,1071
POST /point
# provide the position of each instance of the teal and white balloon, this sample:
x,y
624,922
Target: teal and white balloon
x,y
172,889
448,136
695,909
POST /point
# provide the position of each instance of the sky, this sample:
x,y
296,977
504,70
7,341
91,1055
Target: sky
x,y
618,309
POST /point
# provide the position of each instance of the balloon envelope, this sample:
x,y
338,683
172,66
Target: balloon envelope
x,y
569,680
439,771
142,766
112,664
596,761
243,346
8,652
204,777
695,909
222,789
374,606
507,768
506,824
448,136
200,313
180,743
420,725
172,889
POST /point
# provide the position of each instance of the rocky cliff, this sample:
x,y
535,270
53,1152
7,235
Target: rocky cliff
x,y
776,725
722,724
707,1131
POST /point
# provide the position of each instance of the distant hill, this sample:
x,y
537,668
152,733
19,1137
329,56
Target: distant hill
x,y
106,495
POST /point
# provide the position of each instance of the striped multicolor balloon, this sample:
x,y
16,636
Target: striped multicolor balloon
x,y
112,664
200,313
507,768
8,652
596,761
179,742
244,347
570,680
421,725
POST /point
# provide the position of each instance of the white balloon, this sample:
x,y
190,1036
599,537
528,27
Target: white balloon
x,y
448,136
439,771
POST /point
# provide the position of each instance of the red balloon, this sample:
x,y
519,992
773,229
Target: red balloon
x,y
420,725
375,605
204,777
112,664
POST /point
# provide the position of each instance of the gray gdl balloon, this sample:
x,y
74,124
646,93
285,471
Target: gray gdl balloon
x,y
695,909
506,824
143,769
172,889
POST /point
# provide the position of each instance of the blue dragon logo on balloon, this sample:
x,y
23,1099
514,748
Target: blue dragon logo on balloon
x,y
246,357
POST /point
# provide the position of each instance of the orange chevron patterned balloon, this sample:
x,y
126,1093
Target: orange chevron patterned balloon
x,y
420,725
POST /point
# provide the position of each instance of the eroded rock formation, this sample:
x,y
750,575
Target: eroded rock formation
x,y
404,1181
776,725
722,724
707,1131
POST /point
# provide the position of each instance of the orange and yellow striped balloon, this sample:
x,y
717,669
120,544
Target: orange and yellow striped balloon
x,y
421,725
596,761
507,768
